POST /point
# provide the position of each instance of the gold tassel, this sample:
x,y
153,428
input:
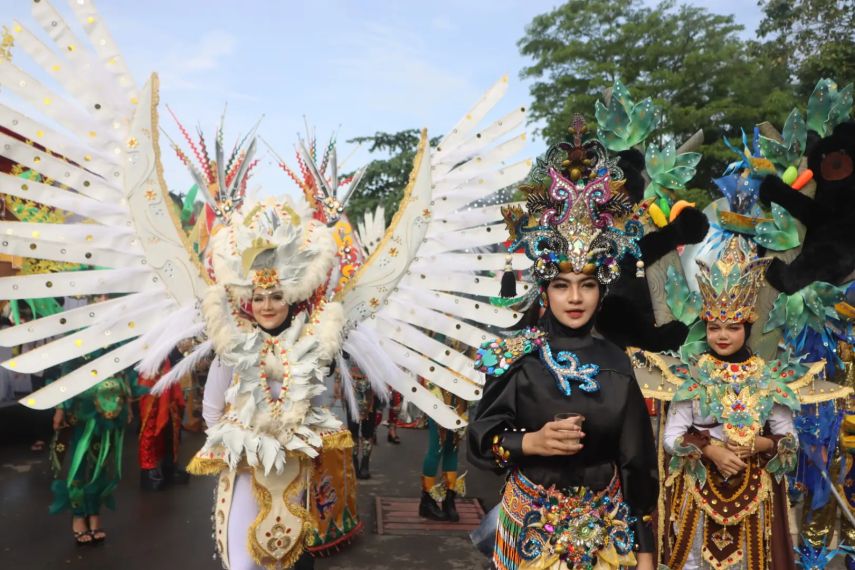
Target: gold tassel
x,y
206,466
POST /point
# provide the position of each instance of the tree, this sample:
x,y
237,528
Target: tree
x,y
691,62
814,39
385,179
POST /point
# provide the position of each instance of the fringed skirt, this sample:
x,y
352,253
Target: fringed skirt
x,y
577,528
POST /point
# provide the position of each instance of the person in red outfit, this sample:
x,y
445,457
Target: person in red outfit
x,y
160,434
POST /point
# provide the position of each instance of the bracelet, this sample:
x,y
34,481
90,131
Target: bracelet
x,y
501,454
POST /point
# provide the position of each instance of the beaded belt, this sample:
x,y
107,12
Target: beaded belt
x,y
577,527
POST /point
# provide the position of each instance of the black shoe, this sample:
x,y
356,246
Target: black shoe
x,y
177,477
393,438
151,480
429,509
449,508
364,468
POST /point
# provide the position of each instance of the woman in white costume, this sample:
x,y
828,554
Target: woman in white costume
x,y
273,344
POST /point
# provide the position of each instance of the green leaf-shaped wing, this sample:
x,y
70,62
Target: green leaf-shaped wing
x,y
828,107
780,234
789,150
624,123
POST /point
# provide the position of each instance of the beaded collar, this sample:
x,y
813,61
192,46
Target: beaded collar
x,y
495,358
739,395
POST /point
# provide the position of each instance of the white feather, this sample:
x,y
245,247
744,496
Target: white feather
x,y
150,366
366,348
347,385
160,343
184,367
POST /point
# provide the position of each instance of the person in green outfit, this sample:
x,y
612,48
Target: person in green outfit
x,y
437,499
86,451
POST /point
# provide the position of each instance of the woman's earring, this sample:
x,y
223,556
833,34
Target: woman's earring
x,y
544,300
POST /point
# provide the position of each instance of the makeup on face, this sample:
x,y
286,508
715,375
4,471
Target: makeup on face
x,y
573,298
269,307
725,338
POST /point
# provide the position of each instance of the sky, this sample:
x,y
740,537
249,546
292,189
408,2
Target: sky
x,y
351,67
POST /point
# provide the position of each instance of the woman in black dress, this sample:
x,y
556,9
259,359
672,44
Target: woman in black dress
x,y
562,411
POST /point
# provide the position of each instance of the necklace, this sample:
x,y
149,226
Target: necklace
x,y
272,346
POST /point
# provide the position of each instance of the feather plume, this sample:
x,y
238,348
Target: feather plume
x,y
347,385
184,367
365,348
183,324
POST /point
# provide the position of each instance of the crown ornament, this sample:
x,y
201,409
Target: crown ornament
x,y
576,218
729,287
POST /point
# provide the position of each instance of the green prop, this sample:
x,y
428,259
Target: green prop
x,y
828,107
668,170
187,206
695,343
780,234
808,307
789,150
625,123
684,303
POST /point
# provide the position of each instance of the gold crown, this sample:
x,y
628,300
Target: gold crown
x,y
265,278
729,287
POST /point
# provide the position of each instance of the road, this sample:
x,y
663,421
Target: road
x,y
172,528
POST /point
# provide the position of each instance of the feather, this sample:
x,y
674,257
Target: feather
x,y
347,386
183,324
184,367
365,348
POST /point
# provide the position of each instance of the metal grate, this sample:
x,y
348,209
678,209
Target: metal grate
x,y
396,515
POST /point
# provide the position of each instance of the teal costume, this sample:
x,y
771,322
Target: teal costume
x,y
86,456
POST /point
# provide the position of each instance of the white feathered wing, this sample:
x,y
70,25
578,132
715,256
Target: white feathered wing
x,y
426,276
102,134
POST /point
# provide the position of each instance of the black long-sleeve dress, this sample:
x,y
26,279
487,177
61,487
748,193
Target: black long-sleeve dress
x,y
618,434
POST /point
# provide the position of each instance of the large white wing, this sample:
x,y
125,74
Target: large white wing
x,y
427,277
101,136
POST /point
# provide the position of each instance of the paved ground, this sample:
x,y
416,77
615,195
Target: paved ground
x,y
172,529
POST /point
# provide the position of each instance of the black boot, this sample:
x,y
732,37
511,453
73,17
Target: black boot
x,y
429,509
151,480
449,508
176,476
364,468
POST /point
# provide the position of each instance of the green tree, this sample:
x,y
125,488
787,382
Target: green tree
x,y
385,178
813,39
691,62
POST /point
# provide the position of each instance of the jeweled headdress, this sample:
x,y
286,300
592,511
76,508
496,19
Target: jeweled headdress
x,y
729,287
576,218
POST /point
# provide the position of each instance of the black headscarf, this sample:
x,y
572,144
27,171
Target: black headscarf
x,y
741,355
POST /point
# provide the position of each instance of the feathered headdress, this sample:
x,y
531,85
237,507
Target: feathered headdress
x,y
730,286
268,244
576,217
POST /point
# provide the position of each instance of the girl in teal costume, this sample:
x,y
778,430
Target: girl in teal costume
x,y
86,452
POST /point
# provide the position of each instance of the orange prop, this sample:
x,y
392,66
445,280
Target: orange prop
x,y
803,179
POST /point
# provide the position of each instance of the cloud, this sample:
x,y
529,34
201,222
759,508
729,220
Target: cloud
x,y
397,72
207,53
190,67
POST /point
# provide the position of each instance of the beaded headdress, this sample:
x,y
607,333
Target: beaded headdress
x,y
730,286
576,217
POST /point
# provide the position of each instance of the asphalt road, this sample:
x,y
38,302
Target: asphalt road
x,y
172,528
